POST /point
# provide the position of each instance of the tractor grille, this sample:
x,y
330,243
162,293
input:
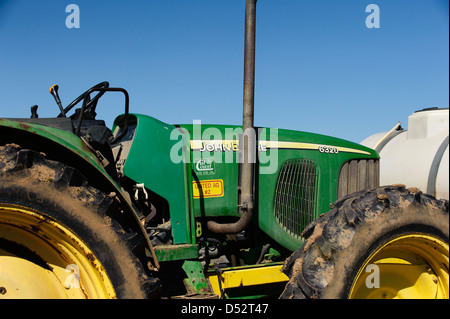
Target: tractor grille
x,y
296,195
357,175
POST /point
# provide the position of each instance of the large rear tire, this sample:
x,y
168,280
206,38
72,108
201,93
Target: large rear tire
x,y
59,237
389,242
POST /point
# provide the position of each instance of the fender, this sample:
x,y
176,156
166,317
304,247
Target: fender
x,y
64,146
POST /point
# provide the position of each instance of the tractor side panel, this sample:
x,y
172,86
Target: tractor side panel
x,y
214,174
156,160
310,168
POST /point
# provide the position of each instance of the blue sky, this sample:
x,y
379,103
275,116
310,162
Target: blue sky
x,y
318,67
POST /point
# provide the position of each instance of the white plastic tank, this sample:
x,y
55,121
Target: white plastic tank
x,y
417,157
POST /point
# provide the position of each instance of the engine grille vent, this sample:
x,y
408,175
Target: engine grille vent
x,y
296,195
356,175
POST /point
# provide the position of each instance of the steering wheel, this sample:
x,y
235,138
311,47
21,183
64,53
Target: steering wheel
x,y
91,103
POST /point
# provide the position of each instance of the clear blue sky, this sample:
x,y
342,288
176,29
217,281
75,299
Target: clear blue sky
x,y
318,67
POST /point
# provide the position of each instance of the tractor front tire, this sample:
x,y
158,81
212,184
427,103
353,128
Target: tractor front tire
x,y
389,242
59,237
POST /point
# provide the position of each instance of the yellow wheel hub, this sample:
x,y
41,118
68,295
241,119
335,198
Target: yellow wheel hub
x,y
41,258
413,266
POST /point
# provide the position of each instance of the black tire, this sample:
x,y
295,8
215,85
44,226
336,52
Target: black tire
x,y
60,195
339,244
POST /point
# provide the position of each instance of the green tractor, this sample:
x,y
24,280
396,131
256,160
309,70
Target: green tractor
x,y
148,209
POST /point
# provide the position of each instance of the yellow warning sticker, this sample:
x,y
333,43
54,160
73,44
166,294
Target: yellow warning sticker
x,y
207,188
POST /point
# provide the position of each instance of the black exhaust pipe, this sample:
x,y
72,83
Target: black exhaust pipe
x,y
247,145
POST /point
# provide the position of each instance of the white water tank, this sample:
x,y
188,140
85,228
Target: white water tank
x,y
417,157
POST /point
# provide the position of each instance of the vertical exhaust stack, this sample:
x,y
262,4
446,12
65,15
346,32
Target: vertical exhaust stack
x,y
247,144
249,138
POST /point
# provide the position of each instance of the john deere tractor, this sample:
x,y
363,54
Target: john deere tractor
x,y
148,209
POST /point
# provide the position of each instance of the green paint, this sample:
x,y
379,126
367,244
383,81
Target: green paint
x,y
58,136
195,283
176,252
150,162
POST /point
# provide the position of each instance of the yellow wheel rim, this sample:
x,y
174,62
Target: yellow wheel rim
x,y
413,266
41,258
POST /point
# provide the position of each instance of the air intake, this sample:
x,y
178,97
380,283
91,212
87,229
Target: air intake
x,y
356,175
296,195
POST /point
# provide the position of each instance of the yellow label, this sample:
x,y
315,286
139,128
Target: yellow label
x,y
209,188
